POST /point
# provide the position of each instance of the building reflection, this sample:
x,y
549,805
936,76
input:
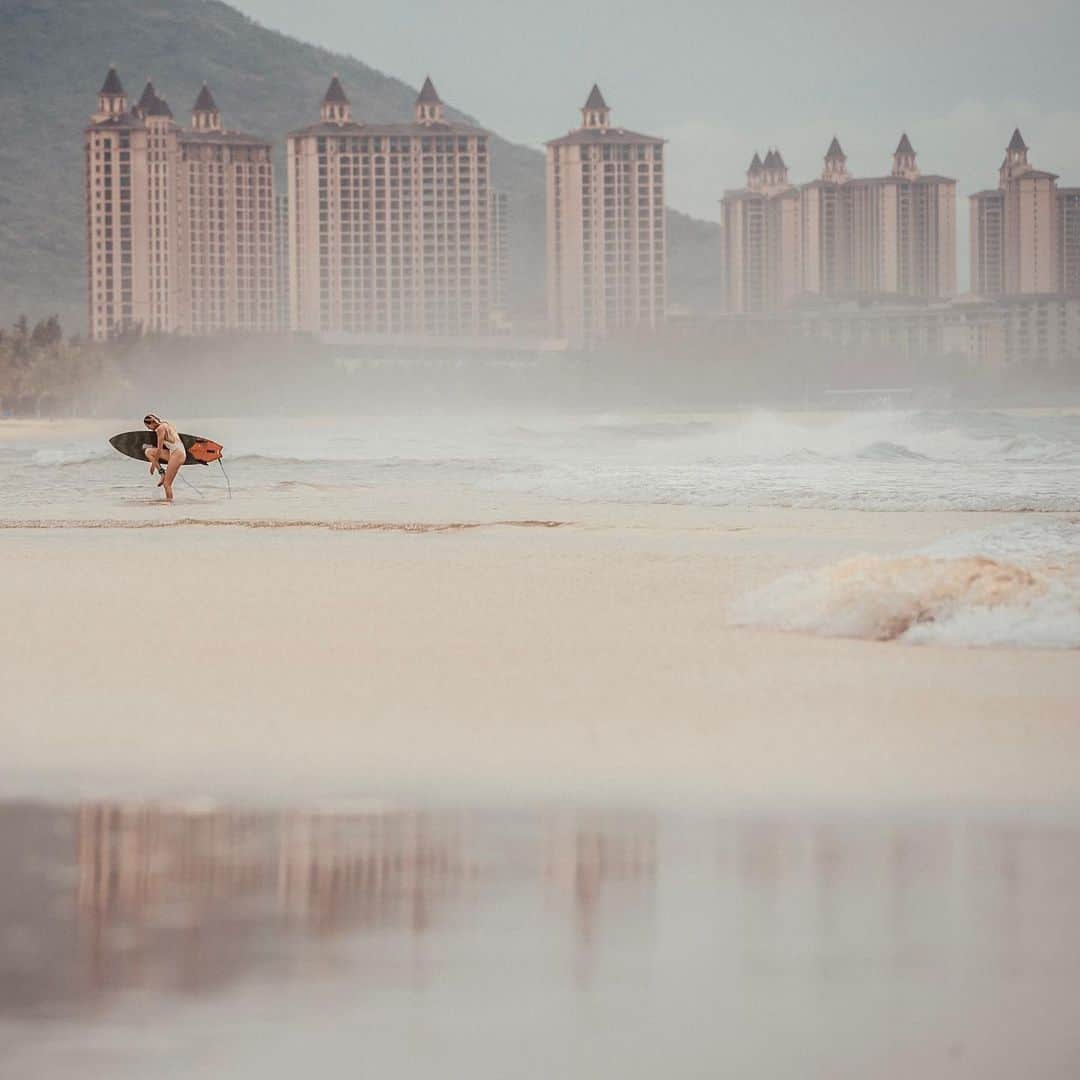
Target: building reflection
x,y
131,857
198,890
600,869
338,868
853,897
195,896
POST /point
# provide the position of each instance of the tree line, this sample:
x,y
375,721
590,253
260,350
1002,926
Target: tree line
x,y
42,373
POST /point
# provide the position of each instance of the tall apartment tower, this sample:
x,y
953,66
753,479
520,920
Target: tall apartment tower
x,y
389,223
839,235
827,230
1021,231
905,231
180,224
117,218
1030,222
499,232
1069,239
762,227
225,197
281,263
606,230
987,243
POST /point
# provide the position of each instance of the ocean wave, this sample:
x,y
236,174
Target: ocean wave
x,y
658,430
890,451
55,456
1035,448
1012,586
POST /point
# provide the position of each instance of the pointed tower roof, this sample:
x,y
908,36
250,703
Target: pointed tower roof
x,y
595,99
770,159
755,163
149,96
834,150
428,94
904,146
159,108
112,84
778,160
205,101
1017,141
335,94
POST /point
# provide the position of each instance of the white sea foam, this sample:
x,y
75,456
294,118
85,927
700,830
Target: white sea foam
x,y
1015,585
68,455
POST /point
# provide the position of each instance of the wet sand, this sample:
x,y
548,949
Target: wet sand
x,y
148,940
589,661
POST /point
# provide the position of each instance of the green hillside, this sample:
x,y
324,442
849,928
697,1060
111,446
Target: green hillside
x,y
53,56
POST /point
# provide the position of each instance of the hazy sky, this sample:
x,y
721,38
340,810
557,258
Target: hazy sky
x,y
719,80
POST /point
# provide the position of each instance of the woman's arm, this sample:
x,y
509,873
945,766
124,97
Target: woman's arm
x,y
156,463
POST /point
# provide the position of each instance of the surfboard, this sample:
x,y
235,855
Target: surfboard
x,y
200,451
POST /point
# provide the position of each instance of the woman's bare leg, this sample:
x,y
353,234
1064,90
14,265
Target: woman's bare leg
x,y
153,455
176,459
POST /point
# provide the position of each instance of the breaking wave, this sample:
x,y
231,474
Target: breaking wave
x,y
1016,585
890,451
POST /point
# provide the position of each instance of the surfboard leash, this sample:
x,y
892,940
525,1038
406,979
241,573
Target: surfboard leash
x,y
191,485
228,483
161,472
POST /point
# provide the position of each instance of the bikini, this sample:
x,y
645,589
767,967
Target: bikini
x,y
173,447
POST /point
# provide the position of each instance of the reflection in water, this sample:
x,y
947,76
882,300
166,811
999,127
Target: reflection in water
x,y
651,939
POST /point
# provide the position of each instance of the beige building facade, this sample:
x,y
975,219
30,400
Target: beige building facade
x,y
1025,233
180,221
389,224
499,258
1069,239
606,230
838,236
1035,334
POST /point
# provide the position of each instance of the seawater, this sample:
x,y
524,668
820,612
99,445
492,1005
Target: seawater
x,y
337,467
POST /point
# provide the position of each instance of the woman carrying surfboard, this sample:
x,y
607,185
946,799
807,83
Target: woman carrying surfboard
x,y
170,448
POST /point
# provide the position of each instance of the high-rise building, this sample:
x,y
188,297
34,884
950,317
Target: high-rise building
x,y
606,230
117,218
1020,240
389,223
281,264
1069,239
225,196
180,221
763,227
838,236
827,229
745,243
987,242
499,259
905,231
1030,222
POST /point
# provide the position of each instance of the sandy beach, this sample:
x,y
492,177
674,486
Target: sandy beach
x,y
607,744
592,659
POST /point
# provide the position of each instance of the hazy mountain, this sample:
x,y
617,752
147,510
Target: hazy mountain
x,y
53,56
